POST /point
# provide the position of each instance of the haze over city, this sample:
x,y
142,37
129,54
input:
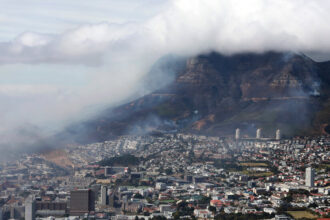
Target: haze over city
x,y
62,62
164,109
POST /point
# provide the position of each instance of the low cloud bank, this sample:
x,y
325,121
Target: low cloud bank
x,y
121,54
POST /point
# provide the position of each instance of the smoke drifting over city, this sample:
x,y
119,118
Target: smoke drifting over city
x,y
113,58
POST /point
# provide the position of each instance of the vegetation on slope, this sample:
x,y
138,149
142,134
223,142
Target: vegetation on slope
x,y
124,160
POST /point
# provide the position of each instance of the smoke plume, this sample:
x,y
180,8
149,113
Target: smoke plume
x,y
116,57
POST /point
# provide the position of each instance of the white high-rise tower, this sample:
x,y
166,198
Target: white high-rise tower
x,y
30,208
238,134
278,134
258,134
310,173
103,196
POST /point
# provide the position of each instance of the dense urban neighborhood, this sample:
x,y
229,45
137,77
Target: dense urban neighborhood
x,y
172,176
165,109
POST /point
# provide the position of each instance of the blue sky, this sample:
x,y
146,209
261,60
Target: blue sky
x,y
60,57
55,16
45,94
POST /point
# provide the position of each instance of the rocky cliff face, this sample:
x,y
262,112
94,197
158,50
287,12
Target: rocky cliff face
x,y
214,94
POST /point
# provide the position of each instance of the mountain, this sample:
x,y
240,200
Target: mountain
x,y
215,94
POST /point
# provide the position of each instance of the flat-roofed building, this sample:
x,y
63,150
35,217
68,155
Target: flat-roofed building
x,y
82,201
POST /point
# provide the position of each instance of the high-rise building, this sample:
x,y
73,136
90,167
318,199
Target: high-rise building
x,y
310,173
278,134
237,133
258,134
103,195
30,208
82,201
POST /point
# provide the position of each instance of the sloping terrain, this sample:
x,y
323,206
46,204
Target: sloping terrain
x,y
215,94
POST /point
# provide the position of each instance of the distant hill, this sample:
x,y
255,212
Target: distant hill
x,y
215,94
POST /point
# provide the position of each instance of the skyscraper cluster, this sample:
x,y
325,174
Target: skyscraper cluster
x,y
258,134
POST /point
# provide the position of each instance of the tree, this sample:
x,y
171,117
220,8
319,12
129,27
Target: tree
x,y
158,218
124,160
183,210
169,171
313,205
287,199
138,196
213,209
205,200
240,216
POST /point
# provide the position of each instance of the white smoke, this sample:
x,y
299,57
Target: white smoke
x,y
120,54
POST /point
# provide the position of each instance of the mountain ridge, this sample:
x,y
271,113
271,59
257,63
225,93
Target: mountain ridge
x,y
213,94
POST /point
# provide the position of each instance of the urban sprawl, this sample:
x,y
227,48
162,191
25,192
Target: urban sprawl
x,y
172,176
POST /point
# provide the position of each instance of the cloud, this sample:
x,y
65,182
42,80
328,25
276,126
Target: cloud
x,y
119,55
48,16
187,27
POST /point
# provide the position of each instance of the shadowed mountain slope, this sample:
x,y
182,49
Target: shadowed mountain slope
x,y
214,94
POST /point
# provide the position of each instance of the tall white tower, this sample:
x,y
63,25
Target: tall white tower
x,y
30,208
258,135
237,133
103,197
310,173
278,134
